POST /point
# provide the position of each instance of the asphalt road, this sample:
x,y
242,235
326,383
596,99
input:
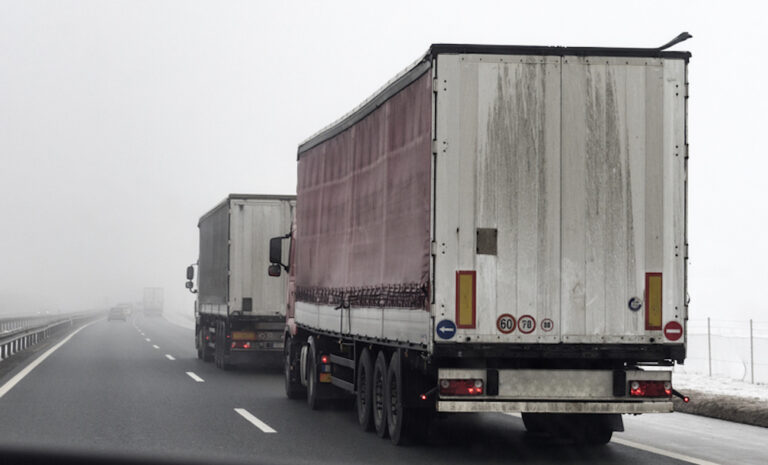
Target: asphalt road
x,y
137,389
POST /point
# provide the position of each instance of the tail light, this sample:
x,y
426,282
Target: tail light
x,y
650,389
461,387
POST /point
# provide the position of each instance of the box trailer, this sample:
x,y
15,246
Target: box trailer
x,y
153,301
240,312
498,229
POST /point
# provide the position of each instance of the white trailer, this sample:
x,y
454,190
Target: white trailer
x,y
240,312
502,229
153,301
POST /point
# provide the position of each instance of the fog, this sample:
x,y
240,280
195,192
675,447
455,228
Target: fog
x,y
121,123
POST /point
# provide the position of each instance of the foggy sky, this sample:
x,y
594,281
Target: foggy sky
x,y
121,123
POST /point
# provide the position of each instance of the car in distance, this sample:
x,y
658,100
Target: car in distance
x,y
117,313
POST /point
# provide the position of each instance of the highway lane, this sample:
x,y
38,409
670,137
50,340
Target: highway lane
x,y
110,390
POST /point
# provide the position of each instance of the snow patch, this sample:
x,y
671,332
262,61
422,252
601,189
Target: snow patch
x,y
718,385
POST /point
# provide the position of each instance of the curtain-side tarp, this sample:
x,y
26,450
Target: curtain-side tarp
x,y
363,205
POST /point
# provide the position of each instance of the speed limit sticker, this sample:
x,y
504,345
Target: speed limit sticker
x,y
526,324
547,325
506,323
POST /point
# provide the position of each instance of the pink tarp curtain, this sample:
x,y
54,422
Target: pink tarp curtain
x,y
363,208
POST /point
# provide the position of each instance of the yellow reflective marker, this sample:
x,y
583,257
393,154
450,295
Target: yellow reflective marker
x,y
653,301
243,335
465,299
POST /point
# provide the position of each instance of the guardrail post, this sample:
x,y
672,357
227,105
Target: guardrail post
x,y
751,352
709,346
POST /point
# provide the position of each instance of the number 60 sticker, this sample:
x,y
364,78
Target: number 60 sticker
x,y
506,323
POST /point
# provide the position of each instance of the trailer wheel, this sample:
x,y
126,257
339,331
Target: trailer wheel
x,y
534,423
597,435
313,397
404,422
220,347
293,388
364,390
203,351
378,401
598,429
199,342
207,351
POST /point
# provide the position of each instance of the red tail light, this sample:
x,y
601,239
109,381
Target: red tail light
x,y
461,387
650,389
324,359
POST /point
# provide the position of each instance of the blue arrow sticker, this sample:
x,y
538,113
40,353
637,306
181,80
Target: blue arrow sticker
x,y
446,329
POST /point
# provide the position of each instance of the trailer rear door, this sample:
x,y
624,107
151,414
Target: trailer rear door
x,y
560,199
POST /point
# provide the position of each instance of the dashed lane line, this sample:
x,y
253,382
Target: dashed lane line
x,y
20,375
195,377
155,346
170,357
255,421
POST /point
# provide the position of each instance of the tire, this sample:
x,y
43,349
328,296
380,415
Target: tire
x,y
534,423
379,394
404,423
313,397
596,431
293,388
204,347
199,341
220,349
364,390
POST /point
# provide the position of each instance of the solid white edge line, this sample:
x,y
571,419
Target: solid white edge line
x,y
654,450
155,346
195,377
255,421
20,375
666,453
169,357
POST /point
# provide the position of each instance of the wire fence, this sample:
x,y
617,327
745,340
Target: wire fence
x,y
729,348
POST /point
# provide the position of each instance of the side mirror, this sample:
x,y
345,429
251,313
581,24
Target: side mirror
x,y
189,285
190,274
274,270
276,250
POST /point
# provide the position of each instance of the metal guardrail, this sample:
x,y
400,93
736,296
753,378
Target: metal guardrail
x,y
16,334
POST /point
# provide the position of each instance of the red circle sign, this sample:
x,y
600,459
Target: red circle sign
x,y
673,330
506,323
547,325
526,324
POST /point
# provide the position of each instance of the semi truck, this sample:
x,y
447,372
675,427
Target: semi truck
x,y
239,311
153,301
497,229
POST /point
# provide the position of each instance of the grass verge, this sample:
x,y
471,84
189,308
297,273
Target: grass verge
x,y
731,408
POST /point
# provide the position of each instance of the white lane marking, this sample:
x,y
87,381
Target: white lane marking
x,y
666,453
654,450
155,346
20,375
169,357
148,339
255,421
195,377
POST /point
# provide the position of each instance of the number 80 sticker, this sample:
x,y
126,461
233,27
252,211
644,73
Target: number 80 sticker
x,y
506,323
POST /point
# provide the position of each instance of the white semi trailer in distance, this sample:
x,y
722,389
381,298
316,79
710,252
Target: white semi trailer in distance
x,y
240,311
